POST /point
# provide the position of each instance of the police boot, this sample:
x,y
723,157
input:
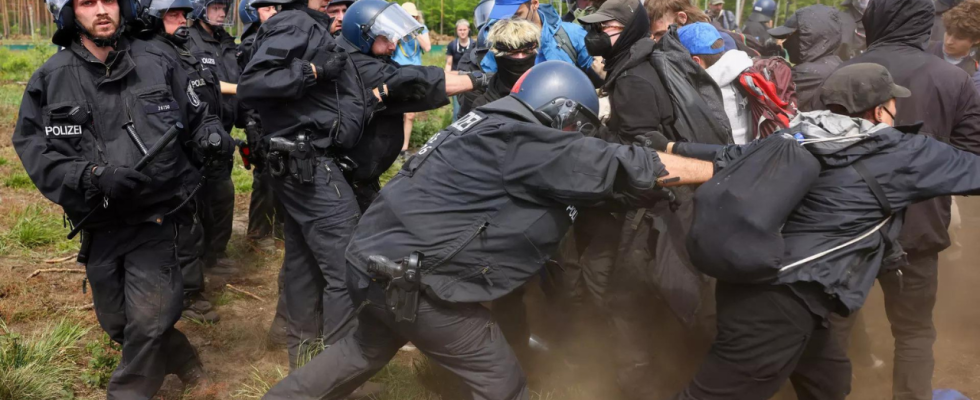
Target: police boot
x,y
198,309
224,266
197,383
277,332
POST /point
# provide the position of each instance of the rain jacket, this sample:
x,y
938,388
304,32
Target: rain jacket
x,y
841,205
725,72
943,98
550,50
219,53
820,37
976,80
853,37
488,199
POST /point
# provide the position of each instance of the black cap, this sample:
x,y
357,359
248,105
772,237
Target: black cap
x,y
613,10
860,87
347,2
788,28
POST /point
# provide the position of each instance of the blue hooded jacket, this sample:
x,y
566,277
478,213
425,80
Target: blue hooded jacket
x,y
549,46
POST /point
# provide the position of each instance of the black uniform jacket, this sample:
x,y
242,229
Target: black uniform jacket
x,y
280,84
218,53
411,88
488,199
138,83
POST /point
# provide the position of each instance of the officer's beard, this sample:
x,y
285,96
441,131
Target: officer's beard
x,y
102,40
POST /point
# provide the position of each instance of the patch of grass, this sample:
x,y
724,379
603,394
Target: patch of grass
x,y
259,383
34,228
401,382
391,172
18,180
39,367
428,123
223,299
3,161
105,357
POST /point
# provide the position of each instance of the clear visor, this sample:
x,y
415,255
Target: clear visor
x,y
55,6
482,13
394,23
158,8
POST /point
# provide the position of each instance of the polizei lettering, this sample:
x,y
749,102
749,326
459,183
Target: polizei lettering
x,y
208,60
60,131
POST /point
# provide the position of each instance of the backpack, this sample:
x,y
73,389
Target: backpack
x,y
768,85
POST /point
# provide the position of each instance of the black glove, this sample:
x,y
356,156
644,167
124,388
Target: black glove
x,y
118,182
218,145
654,140
480,80
330,62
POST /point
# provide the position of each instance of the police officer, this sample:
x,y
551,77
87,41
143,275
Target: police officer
x,y
307,97
405,88
760,20
486,201
165,27
82,115
217,51
336,9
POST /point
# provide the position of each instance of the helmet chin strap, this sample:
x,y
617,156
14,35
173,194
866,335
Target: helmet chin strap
x,y
110,41
180,36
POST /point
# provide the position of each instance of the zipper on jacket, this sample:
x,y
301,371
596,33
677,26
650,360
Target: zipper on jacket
x,y
484,272
459,248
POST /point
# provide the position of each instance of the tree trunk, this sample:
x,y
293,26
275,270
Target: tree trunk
x,y
6,21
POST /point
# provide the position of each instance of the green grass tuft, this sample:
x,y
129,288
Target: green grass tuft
x,y
18,180
259,383
39,367
34,228
105,357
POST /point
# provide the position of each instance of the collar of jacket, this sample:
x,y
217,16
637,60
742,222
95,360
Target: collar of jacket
x,y
198,27
513,108
639,53
549,20
317,16
118,64
181,48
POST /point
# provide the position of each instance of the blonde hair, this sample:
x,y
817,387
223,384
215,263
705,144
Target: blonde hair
x,y
513,34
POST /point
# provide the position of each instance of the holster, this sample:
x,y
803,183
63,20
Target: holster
x,y
302,160
85,248
404,284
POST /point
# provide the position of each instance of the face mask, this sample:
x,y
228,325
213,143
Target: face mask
x,y
792,47
181,35
510,69
598,43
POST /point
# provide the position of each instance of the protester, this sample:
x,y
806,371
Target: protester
x,y
664,13
962,36
771,332
853,36
760,20
514,43
946,102
455,51
721,17
707,48
562,41
811,37
500,182
409,52
71,138
578,9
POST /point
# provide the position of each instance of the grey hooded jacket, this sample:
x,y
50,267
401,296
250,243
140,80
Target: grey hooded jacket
x,y
841,205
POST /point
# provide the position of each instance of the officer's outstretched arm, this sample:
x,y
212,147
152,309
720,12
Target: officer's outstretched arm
x,y
47,151
277,71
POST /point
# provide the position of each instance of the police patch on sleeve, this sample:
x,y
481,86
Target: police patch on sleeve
x,y
192,96
63,131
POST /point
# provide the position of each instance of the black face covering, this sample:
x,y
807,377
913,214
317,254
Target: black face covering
x,y
510,69
180,36
792,47
597,42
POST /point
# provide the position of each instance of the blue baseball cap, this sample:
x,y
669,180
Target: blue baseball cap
x,y
698,38
503,9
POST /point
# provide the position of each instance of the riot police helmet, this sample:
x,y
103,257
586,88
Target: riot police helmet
x,y
200,13
763,11
365,20
560,95
68,28
481,15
